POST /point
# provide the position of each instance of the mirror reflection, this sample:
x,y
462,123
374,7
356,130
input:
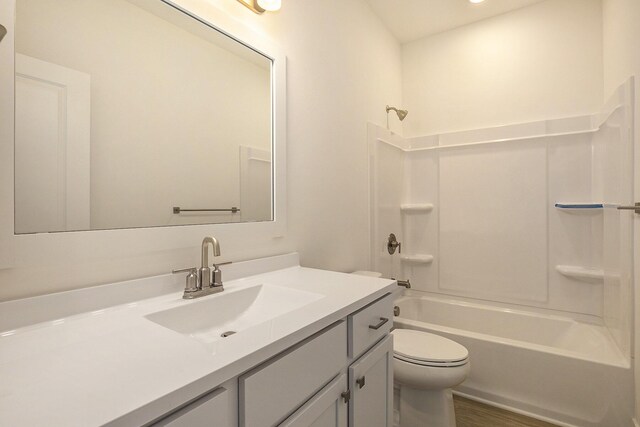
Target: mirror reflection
x,y
134,114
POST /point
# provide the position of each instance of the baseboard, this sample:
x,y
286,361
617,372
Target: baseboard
x,y
515,410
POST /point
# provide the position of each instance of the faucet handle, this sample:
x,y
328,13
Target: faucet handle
x,y
185,270
191,281
220,264
217,274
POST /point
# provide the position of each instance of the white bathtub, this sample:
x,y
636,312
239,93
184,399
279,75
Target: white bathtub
x,y
550,367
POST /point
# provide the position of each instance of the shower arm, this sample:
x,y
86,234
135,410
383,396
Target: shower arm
x,y
402,114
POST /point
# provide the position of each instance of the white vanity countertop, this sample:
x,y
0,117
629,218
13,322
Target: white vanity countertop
x,y
114,366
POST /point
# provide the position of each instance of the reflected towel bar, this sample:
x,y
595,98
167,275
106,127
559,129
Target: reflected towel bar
x,y
178,209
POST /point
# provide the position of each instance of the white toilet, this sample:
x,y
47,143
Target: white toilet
x,y
426,367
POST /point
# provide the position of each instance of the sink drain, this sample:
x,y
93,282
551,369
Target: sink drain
x,y
227,334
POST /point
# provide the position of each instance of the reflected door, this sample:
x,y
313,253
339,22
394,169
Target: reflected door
x,y
52,151
255,184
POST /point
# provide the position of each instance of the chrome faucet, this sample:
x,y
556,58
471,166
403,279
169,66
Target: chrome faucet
x,y
199,282
205,271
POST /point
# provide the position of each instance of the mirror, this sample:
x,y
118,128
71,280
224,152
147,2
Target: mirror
x,y
132,113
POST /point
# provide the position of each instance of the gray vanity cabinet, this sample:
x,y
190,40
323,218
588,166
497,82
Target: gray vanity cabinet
x,y
363,396
370,395
339,377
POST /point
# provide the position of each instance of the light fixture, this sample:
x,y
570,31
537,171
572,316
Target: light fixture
x,y
260,6
270,5
475,1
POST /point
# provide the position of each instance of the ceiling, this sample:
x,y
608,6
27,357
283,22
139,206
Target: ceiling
x,y
411,20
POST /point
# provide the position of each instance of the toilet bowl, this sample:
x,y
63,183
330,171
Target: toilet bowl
x,y
426,367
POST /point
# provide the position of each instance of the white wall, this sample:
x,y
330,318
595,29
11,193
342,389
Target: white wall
x,y
343,68
169,109
536,63
621,34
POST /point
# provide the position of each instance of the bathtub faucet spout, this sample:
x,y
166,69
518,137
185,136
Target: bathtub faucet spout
x,y
405,283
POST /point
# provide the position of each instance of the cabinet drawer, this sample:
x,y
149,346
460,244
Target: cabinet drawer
x,y
369,325
211,410
275,389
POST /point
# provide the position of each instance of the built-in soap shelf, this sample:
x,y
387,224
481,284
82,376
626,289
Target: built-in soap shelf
x,y
581,273
416,207
580,207
417,259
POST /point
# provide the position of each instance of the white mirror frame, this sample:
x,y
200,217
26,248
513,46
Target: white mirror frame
x,y
70,247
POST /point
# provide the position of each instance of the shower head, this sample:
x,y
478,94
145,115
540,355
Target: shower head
x,y
401,113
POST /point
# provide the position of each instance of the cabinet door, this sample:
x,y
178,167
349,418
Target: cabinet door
x,y
371,385
211,410
326,409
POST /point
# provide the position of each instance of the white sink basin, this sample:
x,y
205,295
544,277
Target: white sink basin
x,y
232,311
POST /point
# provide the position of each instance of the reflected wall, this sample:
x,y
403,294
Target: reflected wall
x,y
166,108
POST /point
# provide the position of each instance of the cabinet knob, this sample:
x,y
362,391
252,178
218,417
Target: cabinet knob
x,y
360,382
346,396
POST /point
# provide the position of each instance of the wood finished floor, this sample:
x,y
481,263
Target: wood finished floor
x,y
470,413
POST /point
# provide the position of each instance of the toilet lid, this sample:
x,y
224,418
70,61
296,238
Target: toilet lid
x,y
425,348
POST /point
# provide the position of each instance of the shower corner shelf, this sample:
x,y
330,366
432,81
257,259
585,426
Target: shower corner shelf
x,y
417,259
581,273
580,207
416,207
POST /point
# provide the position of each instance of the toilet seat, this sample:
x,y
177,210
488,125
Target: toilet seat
x,y
430,363
426,349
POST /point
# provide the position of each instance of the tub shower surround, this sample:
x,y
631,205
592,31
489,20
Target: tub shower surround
x,y
490,236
